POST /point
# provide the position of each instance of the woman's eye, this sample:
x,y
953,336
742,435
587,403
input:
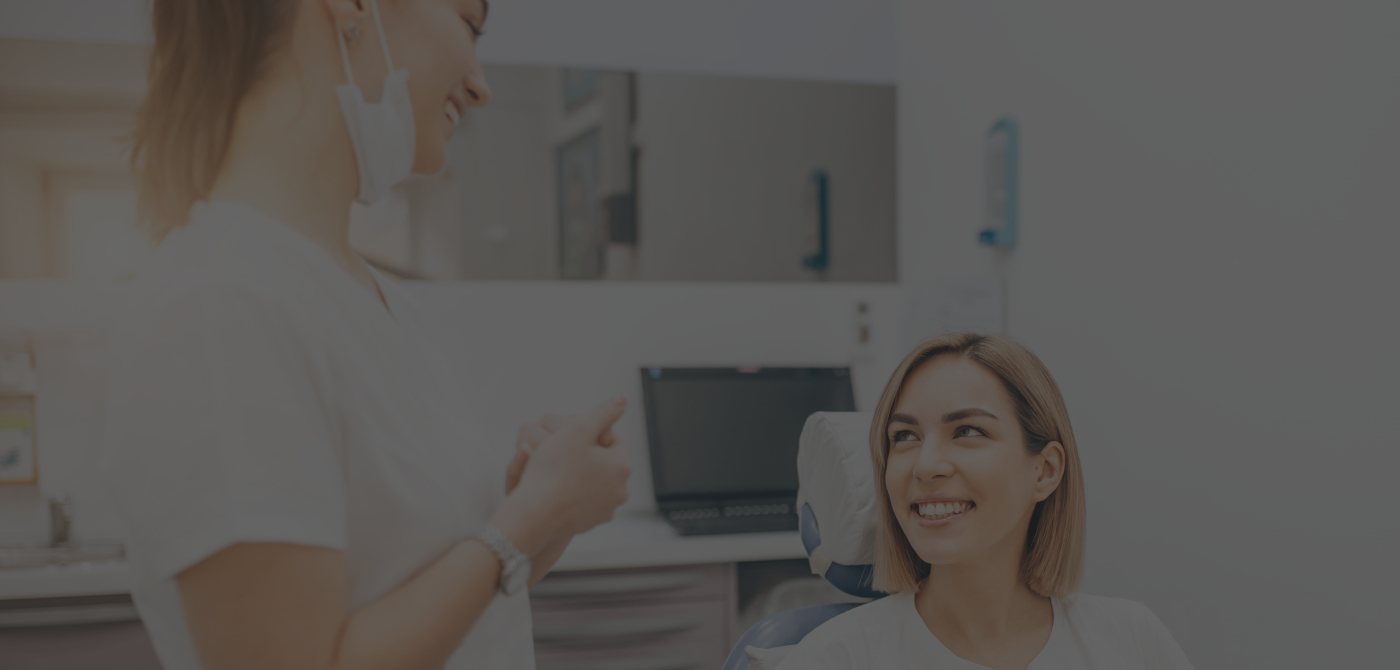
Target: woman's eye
x,y
968,431
904,436
471,25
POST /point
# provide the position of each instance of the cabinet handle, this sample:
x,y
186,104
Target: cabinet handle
x,y
612,585
69,615
603,631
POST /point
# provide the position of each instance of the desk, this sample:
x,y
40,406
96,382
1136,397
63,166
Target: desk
x,y
644,540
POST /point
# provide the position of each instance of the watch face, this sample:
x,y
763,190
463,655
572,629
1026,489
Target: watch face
x,y
516,576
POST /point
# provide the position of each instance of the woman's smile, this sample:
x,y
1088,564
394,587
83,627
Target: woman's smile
x,y
939,513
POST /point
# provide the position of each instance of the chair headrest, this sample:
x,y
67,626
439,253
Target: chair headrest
x,y
836,499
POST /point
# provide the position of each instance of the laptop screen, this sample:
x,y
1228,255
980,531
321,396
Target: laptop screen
x,y
719,433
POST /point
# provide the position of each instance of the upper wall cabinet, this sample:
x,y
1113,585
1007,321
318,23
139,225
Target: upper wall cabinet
x,y
581,174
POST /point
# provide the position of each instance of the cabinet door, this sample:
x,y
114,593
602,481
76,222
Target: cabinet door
x,y
661,584
646,637
105,635
658,619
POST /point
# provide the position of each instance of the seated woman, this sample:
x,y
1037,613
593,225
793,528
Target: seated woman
x,y
981,532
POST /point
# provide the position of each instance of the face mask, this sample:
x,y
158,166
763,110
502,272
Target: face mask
x,y
382,133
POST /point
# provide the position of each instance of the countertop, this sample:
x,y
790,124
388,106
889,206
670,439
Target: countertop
x,y
634,540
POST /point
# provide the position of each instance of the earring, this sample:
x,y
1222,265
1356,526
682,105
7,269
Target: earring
x,y
352,33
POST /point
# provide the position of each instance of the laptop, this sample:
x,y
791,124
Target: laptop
x,y
723,441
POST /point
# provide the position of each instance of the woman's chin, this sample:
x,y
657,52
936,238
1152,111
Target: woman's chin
x,y
429,161
938,550
941,554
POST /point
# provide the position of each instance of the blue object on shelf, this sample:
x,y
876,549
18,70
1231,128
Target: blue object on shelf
x,y
1002,184
822,259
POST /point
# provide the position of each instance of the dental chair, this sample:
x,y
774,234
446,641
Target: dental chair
x,y
836,519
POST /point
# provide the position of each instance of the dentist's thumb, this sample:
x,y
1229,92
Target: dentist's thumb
x,y
600,420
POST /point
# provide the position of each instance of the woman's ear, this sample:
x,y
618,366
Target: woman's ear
x,y
347,13
1050,469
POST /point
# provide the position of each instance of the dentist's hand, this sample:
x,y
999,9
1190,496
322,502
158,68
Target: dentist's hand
x,y
564,480
531,435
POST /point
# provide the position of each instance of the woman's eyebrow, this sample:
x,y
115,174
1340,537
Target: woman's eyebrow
x,y
961,414
902,418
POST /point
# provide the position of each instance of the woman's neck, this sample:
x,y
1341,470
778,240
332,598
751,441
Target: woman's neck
x,y
982,603
290,157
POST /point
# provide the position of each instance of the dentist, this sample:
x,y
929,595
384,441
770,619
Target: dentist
x,y
302,481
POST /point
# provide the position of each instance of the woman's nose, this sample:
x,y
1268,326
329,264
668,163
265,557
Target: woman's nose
x,y
478,91
932,463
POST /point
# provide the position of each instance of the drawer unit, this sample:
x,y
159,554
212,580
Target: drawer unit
x,y
74,632
656,619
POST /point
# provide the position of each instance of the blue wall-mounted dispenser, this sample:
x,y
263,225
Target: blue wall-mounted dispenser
x,y
1002,188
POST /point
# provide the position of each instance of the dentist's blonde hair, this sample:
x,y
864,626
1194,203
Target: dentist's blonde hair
x,y
208,55
1054,555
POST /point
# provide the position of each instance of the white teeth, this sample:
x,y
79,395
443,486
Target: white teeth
x,y
451,110
942,510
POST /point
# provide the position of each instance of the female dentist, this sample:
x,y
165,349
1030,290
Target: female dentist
x,y
301,485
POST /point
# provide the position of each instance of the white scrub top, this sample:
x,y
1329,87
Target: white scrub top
x,y
258,393
1089,633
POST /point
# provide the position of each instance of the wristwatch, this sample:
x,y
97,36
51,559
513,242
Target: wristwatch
x,y
515,566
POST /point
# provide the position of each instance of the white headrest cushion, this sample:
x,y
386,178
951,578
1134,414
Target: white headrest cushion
x,y
836,479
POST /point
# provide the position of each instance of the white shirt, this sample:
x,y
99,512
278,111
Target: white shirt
x,y
1088,633
259,394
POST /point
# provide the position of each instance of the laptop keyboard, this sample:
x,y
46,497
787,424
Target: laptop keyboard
x,y
749,523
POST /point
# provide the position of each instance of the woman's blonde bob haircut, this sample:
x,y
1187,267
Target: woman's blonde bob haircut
x,y
1054,554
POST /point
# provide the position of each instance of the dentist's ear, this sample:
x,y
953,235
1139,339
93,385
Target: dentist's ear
x,y
1050,469
350,17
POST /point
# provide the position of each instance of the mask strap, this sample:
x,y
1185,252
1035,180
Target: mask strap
x,y
383,45
383,41
340,39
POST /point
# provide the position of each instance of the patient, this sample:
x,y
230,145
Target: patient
x,y
981,532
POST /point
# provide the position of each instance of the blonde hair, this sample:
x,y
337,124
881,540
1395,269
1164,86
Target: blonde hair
x,y
208,55
1053,559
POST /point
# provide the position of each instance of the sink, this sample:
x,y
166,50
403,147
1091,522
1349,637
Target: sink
x,y
20,557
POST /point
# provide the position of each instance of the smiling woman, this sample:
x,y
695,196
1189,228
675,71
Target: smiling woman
x,y
981,533
988,411
303,483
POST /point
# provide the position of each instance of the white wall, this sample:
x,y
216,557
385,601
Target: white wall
x,y
1208,267
725,185
820,39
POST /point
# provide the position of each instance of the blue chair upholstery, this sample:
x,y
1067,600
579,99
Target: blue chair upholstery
x,y
782,629
853,579
788,628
